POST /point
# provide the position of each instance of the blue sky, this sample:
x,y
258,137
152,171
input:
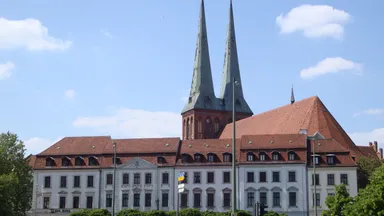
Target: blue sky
x,y
75,68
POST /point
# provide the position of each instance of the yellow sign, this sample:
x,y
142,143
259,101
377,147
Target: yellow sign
x,y
181,178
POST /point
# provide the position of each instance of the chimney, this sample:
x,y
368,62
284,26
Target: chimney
x,y
381,153
375,147
370,144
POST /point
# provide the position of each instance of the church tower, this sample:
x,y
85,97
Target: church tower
x,y
205,116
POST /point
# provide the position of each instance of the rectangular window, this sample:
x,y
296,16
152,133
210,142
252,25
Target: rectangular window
x,y
275,176
148,178
136,200
196,200
108,201
210,177
47,182
263,198
292,176
63,181
227,199
90,181
185,181
331,160
136,178
164,198
109,179
344,179
62,202
184,200
196,177
166,178
89,202
317,180
250,177
148,199
76,201
331,179
46,203
226,177
125,178
292,199
125,200
251,199
276,199
317,201
76,181
210,199
263,176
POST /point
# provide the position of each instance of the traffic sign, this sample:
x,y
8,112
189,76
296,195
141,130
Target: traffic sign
x,y
181,176
180,186
181,190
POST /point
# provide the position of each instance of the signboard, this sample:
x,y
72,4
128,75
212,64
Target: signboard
x,y
180,186
180,176
181,190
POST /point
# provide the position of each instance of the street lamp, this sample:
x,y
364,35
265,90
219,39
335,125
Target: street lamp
x,y
114,179
234,193
314,198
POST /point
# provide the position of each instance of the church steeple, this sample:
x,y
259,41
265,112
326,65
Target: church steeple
x,y
231,71
292,96
202,94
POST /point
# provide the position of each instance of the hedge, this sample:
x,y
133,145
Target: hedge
x,y
91,212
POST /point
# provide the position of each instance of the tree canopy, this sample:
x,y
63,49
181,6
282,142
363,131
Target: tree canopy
x,y
335,204
366,166
15,177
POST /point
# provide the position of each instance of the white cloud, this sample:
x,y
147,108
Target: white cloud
x,y
331,65
134,123
6,70
363,138
107,34
36,145
314,21
29,34
372,111
70,93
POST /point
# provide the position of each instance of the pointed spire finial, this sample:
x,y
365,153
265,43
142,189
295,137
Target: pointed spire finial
x,y
292,96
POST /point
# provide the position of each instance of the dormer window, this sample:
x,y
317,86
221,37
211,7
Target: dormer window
x,y
118,161
262,156
250,156
79,161
65,161
291,156
331,159
161,160
316,158
227,157
197,157
211,157
50,161
92,161
184,158
275,156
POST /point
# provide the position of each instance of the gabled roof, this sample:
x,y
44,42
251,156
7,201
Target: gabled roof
x,y
146,145
368,151
281,141
309,114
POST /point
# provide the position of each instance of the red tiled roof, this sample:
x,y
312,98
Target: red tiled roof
x,y
78,146
147,145
309,114
367,151
280,141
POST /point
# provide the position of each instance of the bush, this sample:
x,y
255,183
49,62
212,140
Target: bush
x,y
170,213
272,213
156,213
243,213
190,212
130,212
91,212
209,213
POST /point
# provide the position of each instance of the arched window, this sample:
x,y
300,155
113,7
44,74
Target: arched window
x,y
291,155
250,156
208,128
185,158
50,161
199,126
276,156
217,125
191,129
79,161
262,156
92,161
211,157
227,157
65,161
185,129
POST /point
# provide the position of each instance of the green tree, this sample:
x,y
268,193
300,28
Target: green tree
x,y
370,200
15,177
337,203
366,166
272,213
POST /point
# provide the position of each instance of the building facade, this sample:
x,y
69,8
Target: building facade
x,y
277,153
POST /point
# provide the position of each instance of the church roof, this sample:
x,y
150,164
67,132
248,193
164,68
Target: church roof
x,y
309,114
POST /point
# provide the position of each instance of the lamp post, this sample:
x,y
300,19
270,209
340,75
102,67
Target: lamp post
x,y
314,197
114,179
234,193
